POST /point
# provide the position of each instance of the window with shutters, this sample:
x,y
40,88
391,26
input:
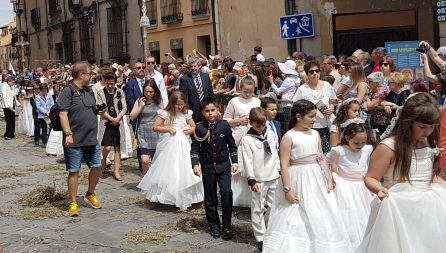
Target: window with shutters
x,y
171,11
151,12
35,18
54,7
199,8
86,38
68,41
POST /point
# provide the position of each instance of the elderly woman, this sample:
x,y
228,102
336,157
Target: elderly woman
x,y
320,93
111,130
379,119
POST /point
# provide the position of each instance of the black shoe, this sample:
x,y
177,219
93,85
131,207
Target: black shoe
x,y
260,246
215,233
36,143
227,234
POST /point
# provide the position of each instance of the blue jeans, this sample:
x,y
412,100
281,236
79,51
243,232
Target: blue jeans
x,y
74,157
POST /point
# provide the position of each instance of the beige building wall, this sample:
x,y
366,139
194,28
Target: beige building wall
x,y
6,48
322,43
188,29
245,24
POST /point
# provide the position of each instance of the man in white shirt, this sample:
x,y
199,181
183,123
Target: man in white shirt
x,y
258,53
328,67
159,79
9,104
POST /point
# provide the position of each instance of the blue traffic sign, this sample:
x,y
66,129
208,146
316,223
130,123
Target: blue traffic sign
x,y
296,26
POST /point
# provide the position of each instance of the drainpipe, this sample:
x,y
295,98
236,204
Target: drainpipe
x,y
98,20
215,26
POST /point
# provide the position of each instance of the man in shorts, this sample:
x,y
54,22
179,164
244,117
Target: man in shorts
x,y
78,118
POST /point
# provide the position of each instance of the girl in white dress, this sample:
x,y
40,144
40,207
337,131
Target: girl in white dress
x,y
170,179
236,114
26,120
305,216
349,162
409,214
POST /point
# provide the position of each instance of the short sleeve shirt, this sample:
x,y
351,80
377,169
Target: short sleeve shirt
x,y
83,121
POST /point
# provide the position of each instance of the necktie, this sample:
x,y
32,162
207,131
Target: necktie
x,y
273,128
141,84
199,87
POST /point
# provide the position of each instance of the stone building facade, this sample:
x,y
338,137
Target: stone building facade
x,y
108,30
8,52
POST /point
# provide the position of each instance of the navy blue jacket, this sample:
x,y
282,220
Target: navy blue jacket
x,y
279,130
132,93
216,152
187,86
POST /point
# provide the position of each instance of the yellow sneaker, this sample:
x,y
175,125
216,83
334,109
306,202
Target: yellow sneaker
x,y
73,211
93,201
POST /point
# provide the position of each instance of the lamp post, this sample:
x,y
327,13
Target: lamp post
x,y
22,44
144,23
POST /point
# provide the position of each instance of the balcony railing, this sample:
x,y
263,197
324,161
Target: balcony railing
x,y
171,11
199,8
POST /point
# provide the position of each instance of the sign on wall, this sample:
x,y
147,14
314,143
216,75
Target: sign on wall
x,y
406,57
441,11
296,26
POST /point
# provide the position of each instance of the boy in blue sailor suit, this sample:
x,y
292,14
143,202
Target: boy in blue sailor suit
x,y
212,146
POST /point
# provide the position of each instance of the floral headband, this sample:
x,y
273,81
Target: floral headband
x,y
349,100
352,121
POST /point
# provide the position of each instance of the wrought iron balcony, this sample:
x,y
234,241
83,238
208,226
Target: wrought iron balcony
x,y
172,18
75,6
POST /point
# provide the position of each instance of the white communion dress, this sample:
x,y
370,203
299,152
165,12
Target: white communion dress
x,y
413,218
314,224
170,179
352,195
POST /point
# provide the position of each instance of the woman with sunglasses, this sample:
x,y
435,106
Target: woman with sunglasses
x,y
319,93
387,66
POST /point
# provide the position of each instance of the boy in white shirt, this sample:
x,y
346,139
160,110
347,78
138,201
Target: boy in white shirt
x,y
261,163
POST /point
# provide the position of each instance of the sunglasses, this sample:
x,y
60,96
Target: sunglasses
x,y
150,62
313,71
143,67
385,64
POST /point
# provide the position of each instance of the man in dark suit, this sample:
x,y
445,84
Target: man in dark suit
x,y
133,91
196,86
134,88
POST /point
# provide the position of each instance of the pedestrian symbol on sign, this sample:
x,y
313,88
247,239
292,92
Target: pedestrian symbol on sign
x,y
297,26
285,30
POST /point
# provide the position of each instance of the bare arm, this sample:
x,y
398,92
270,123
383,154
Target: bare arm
x,y
137,108
159,126
342,89
380,162
427,69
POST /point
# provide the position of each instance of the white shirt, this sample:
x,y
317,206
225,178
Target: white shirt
x,y
256,163
260,58
140,84
288,87
159,79
314,96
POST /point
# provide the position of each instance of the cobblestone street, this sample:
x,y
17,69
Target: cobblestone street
x,y
33,217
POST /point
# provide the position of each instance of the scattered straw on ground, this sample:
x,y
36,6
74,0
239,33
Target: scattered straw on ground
x,y
45,202
44,212
192,225
156,251
146,237
159,234
43,195
49,167
9,174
